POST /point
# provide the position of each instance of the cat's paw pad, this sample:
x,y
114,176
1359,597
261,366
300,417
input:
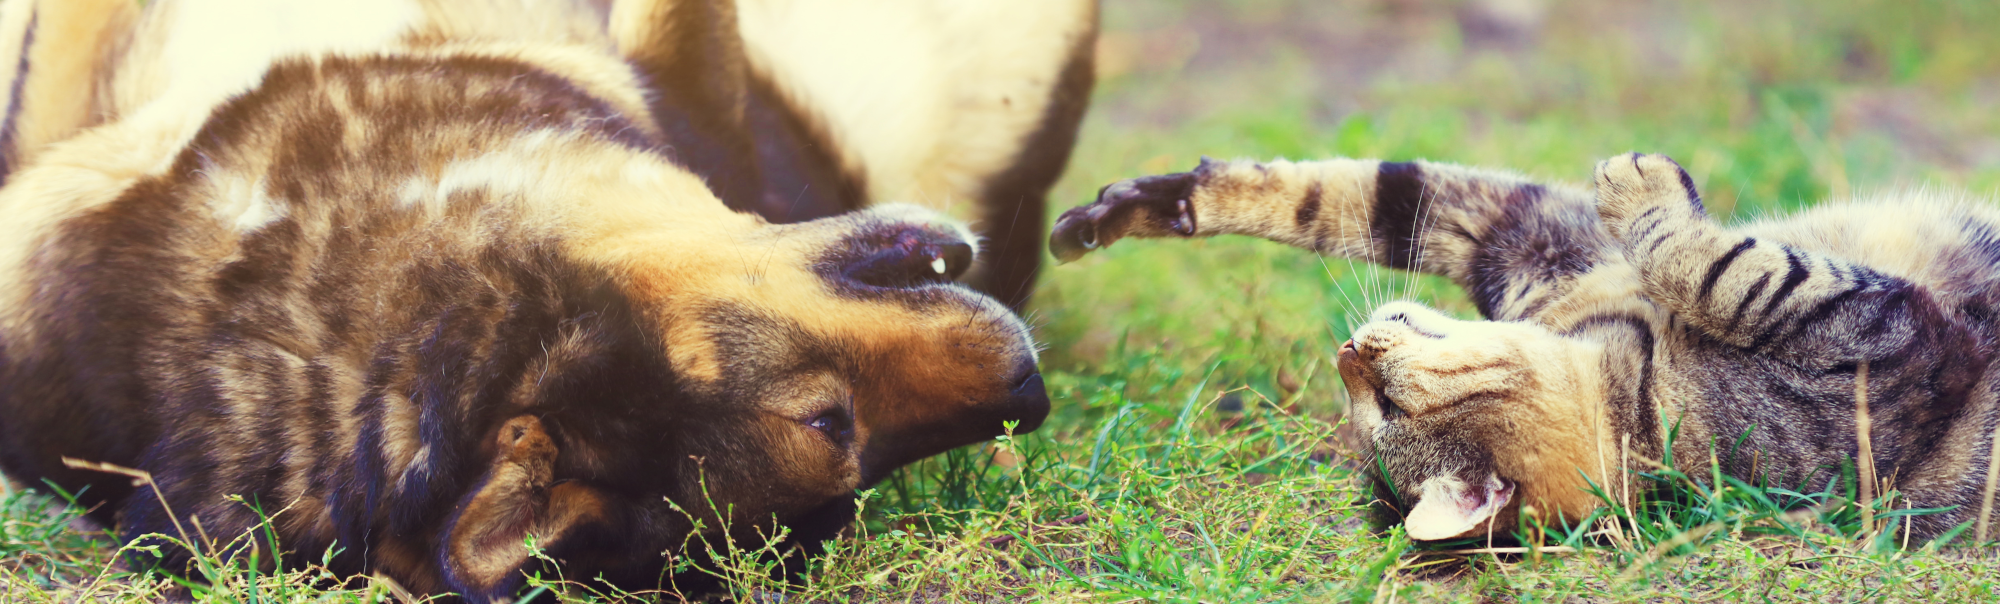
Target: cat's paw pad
x,y
1150,205
1631,185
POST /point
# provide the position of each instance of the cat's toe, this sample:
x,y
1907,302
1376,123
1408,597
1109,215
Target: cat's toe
x,y
1628,185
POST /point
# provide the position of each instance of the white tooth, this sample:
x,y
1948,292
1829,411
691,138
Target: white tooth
x,y
938,265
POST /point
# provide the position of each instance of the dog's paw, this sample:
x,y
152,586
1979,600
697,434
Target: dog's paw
x,y
1635,186
1147,206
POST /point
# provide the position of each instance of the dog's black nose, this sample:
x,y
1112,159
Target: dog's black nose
x,y
1029,403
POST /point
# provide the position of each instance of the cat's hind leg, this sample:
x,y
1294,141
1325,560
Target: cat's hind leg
x,y
1753,293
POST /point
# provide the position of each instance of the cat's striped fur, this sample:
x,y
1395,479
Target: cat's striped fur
x,y
1616,315
418,279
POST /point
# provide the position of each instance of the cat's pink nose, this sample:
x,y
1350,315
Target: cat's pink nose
x,y
1350,353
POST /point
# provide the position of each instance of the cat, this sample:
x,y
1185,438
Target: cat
x,y
1615,319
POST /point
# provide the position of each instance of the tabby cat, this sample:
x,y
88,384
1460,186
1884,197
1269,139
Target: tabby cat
x,y
1618,320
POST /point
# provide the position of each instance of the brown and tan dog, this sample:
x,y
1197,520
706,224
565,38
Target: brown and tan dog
x,y
420,279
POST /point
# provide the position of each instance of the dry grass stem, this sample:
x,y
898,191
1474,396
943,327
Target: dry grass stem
x,y
395,589
140,478
1003,540
1863,431
1553,549
1992,479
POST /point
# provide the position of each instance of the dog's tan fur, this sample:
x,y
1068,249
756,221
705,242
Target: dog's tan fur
x,y
1617,318
434,276
936,130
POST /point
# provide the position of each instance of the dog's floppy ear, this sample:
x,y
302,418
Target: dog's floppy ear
x,y
54,58
689,48
483,550
692,57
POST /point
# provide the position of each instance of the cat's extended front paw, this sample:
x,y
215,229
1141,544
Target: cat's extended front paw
x,y
1146,206
1635,190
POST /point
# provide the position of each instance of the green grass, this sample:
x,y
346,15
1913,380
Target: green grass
x,y
1196,451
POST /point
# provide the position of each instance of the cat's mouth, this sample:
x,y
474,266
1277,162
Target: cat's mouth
x,y
1350,364
1390,410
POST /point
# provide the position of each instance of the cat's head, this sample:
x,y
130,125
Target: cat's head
x,y
1465,422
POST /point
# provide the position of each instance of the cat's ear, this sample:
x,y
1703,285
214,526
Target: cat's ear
x,y
484,549
1451,507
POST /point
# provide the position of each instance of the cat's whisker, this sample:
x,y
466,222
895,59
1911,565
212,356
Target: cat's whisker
x,y
1369,253
1349,301
1426,200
